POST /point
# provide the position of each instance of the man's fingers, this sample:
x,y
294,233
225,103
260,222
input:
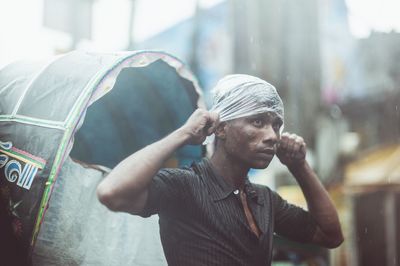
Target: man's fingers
x,y
303,148
210,130
291,148
213,121
299,139
291,144
300,148
295,148
214,117
283,143
200,124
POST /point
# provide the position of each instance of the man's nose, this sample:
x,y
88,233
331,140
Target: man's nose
x,y
270,135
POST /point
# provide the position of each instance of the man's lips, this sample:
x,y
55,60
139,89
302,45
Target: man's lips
x,y
266,154
269,151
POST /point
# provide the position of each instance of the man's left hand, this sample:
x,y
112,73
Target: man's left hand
x,y
291,149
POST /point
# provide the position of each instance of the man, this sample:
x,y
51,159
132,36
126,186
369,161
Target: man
x,y
210,214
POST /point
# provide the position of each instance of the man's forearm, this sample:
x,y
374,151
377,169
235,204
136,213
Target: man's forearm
x,y
319,203
127,183
126,187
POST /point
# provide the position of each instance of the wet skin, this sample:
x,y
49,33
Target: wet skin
x,y
253,140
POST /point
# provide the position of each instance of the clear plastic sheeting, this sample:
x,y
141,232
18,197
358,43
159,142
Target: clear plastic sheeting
x,y
240,95
78,230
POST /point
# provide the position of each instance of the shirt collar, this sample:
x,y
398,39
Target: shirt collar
x,y
220,189
252,192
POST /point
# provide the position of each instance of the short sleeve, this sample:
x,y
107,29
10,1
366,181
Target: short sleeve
x,y
292,221
166,192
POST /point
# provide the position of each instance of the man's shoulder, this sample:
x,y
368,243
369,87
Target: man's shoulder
x,y
176,171
264,190
260,187
183,172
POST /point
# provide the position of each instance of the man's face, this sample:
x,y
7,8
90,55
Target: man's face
x,y
252,140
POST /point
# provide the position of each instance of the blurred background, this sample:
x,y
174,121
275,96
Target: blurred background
x,y
335,63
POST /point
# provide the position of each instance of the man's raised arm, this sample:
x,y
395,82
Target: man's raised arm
x,y
126,187
291,152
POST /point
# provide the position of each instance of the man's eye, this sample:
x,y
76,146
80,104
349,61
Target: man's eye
x,y
257,122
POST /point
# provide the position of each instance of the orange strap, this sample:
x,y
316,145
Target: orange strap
x,y
250,218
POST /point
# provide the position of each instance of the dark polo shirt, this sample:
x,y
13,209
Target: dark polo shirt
x,y
202,221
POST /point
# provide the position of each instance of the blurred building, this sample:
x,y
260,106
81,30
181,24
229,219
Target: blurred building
x,y
379,56
73,17
279,41
338,63
202,41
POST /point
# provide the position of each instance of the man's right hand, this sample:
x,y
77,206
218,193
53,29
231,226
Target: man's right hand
x,y
199,125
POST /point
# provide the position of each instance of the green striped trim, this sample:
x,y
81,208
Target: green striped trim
x,y
91,84
32,121
48,185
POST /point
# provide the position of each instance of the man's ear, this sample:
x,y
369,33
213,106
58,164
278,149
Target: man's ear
x,y
220,131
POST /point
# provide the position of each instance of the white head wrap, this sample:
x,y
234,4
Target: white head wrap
x,y
240,95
